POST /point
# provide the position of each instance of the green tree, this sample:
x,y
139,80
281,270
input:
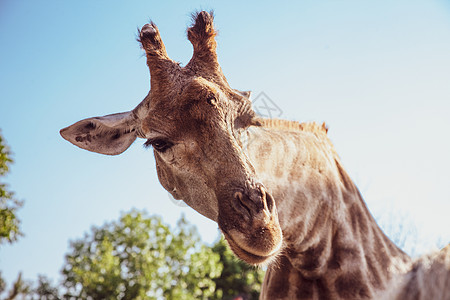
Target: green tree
x,y
237,277
9,223
138,257
2,284
45,290
18,288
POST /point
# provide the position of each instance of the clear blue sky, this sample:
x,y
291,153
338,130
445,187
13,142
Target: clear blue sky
x,y
376,71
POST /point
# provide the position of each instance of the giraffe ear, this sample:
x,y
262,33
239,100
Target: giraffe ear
x,y
111,134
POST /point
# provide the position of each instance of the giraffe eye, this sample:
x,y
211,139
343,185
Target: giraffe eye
x,y
211,100
159,145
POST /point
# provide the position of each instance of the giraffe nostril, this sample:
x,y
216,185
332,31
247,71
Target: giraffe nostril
x,y
267,199
253,203
240,205
270,202
263,192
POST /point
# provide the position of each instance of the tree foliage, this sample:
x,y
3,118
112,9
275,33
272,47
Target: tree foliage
x,y
9,223
45,289
237,277
138,257
18,287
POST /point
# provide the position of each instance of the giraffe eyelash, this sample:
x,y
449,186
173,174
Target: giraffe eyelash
x,y
148,143
160,145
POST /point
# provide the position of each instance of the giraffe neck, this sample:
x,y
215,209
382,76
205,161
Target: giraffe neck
x,y
333,246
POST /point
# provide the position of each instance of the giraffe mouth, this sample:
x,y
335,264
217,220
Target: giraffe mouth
x,y
248,254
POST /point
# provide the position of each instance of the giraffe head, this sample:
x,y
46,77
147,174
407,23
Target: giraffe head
x,y
192,118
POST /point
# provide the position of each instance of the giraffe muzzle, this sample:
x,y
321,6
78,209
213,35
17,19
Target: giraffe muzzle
x,y
251,226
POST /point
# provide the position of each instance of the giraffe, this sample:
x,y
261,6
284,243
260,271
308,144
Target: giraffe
x,y
276,188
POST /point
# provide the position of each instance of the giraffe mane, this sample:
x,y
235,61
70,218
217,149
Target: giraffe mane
x,y
320,130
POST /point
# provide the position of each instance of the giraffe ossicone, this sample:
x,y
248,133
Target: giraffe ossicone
x,y
276,188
